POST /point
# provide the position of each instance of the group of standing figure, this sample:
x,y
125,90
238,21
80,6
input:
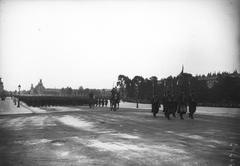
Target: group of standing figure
x,y
171,106
101,102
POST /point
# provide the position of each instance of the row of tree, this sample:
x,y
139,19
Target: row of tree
x,y
137,88
222,89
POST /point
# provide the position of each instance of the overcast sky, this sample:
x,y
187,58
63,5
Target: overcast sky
x,y
89,43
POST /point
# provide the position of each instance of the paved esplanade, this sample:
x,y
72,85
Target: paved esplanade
x,y
7,107
79,136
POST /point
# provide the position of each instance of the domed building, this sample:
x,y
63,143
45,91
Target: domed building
x,y
39,89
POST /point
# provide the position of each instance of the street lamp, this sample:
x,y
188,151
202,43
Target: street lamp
x,y
19,87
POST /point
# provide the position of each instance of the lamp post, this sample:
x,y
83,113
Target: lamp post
x,y
19,87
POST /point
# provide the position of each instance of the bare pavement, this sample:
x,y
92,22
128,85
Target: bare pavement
x,y
75,136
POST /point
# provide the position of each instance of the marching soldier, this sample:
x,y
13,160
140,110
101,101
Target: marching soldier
x,y
192,107
102,102
182,107
106,102
155,106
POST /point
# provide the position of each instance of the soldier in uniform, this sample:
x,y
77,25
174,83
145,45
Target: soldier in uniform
x,y
155,106
99,102
96,101
106,102
192,107
113,100
102,102
14,100
171,107
182,107
91,100
168,107
164,100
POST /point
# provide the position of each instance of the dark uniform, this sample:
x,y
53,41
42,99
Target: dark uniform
x,y
168,108
91,100
155,106
102,102
113,100
106,102
192,108
182,108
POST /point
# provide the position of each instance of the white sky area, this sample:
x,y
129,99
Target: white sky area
x,y
89,43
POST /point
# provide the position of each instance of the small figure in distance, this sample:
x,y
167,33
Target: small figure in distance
x,y
171,107
168,107
113,99
192,107
91,100
182,107
102,102
164,102
106,102
155,105
96,102
99,102
14,100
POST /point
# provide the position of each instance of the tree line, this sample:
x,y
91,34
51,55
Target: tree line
x,y
221,89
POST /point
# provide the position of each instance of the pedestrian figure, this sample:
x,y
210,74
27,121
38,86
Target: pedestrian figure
x,y
192,108
99,102
182,107
168,108
106,102
172,107
14,100
164,100
155,106
113,100
91,100
102,102
96,102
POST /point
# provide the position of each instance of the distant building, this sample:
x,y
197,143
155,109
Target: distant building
x,y
39,89
210,80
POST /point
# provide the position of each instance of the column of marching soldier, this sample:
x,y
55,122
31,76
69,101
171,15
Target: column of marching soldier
x,y
171,106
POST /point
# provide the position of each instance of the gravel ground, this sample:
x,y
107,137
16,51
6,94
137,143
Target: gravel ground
x,y
79,136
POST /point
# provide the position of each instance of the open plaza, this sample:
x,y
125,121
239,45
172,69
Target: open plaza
x,y
63,136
